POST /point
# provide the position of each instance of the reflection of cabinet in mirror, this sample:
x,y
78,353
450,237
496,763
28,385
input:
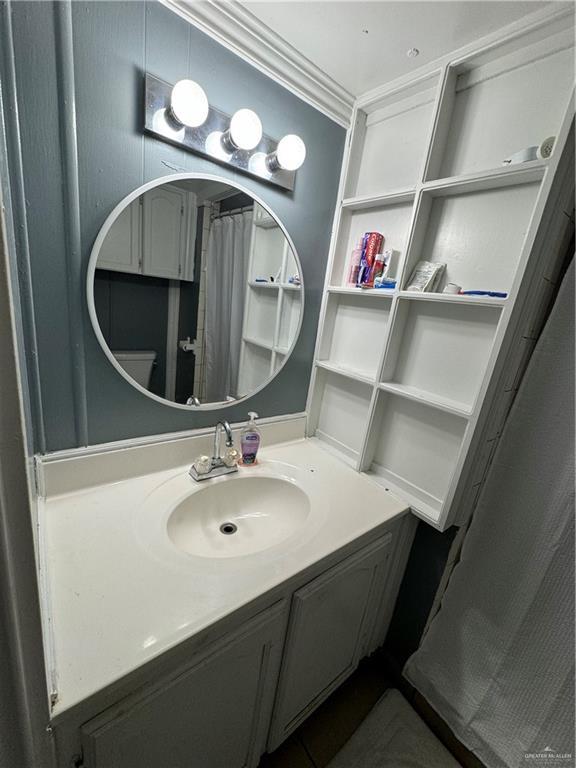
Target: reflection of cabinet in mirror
x,y
193,281
154,235
273,302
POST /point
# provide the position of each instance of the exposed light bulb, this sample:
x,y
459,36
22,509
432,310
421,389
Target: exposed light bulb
x,y
290,153
215,146
245,130
189,103
258,164
162,123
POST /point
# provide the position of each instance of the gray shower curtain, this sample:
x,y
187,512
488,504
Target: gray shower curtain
x,y
497,662
226,277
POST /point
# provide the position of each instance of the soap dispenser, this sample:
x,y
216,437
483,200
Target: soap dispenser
x,y
250,440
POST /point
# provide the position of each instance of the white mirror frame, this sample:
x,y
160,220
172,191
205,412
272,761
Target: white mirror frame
x,y
92,270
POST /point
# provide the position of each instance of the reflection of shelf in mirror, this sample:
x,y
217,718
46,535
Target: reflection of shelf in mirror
x,y
349,373
405,491
365,202
453,298
266,222
264,285
493,178
273,286
351,291
258,343
427,398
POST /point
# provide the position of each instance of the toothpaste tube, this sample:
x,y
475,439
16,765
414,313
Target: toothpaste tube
x,y
380,268
372,242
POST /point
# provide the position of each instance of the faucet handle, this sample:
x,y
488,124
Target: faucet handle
x,y
231,456
202,465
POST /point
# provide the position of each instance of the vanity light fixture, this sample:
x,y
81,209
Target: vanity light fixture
x,y
181,115
289,155
245,131
189,104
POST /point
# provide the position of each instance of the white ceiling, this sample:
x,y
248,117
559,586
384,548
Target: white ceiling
x,y
361,44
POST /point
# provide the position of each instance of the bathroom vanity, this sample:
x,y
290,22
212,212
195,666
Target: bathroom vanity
x,y
195,644
195,623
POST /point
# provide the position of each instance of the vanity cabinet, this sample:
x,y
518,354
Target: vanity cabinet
x,y
224,699
332,622
154,236
215,714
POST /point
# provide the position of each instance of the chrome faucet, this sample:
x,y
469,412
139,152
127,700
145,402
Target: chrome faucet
x,y
205,468
229,439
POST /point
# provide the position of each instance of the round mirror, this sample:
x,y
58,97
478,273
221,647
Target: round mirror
x,y
195,292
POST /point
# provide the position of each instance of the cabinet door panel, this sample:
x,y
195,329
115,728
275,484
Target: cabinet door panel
x,y
120,250
164,232
330,623
215,715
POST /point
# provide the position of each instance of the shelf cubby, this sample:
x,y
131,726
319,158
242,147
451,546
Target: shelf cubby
x,y
343,370
256,368
290,307
361,293
340,411
355,331
255,342
261,315
453,298
468,232
366,202
262,286
413,448
393,221
439,351
401,120
419,395
268,245
501,103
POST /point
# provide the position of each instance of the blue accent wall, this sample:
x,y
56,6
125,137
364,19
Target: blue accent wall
x,y
77,70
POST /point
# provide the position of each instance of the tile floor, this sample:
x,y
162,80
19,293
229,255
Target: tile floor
x,y
326,731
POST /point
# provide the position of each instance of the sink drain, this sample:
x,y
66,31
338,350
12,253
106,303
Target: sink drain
x,y
228,528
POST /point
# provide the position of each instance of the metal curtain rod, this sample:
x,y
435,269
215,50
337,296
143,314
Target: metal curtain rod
x,y
232,212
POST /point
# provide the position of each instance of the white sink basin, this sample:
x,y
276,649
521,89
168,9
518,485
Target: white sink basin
x,y
238,516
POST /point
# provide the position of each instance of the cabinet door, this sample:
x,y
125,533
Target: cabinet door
x,y
331,621
214,715
164,229
120,250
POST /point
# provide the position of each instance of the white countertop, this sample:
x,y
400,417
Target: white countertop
x,y
120,593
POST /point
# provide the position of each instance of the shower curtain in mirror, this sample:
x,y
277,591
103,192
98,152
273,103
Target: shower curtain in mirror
x,y
226,278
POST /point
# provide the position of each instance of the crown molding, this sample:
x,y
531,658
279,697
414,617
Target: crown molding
x,y
241,32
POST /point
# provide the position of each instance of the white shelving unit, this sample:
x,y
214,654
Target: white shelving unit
x,y
400,379
272,309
